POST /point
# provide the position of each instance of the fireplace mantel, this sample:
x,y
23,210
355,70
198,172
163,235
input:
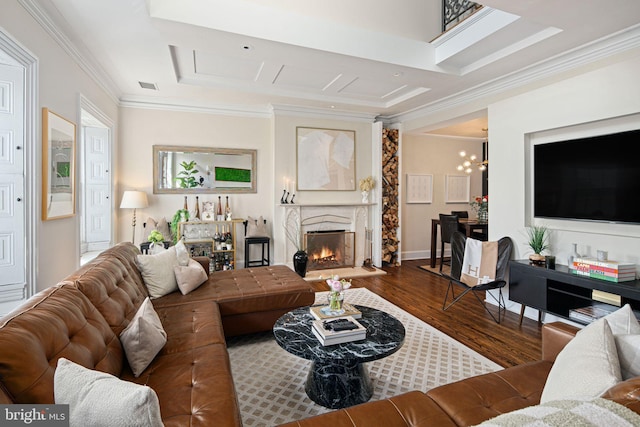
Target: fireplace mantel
x,y
357,213
325,204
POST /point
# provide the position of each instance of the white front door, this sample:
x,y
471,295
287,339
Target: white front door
x,y
97,188
12,192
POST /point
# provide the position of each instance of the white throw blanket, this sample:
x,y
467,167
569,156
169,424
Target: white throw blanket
x,y
479,262
584,413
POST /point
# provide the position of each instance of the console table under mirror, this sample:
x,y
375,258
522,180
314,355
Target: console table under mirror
x,y
185,169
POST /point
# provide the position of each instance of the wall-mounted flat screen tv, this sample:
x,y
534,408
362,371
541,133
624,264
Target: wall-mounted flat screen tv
x,y
593,179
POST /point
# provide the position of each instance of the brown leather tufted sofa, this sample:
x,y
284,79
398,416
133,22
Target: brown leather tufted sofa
x,y
81,317
473,400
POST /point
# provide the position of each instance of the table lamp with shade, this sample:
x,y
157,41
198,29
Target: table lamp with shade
x,y
132,199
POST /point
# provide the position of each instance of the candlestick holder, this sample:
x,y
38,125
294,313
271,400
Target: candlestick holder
x,y
293,197
282,199
286,199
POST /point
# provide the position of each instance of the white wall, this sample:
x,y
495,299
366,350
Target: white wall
x,y
591,98
437,156
60,82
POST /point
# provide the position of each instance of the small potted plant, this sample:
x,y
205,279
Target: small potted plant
x,y
157,242
538,241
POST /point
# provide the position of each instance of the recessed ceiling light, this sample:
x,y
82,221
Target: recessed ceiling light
x,y
247,47
332,106
145,85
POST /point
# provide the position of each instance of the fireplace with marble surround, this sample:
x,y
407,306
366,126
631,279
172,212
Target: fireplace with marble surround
x,y
329,249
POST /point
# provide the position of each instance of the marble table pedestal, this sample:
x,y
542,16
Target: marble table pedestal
x,y
338,377
338,386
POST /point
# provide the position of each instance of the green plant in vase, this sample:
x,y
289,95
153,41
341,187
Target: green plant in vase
x,y
181,215
538,241
186,178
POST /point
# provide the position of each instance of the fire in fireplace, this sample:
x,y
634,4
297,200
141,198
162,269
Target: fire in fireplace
x,y
330,249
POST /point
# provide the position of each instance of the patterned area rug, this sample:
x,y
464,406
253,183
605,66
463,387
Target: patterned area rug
x,y
270,382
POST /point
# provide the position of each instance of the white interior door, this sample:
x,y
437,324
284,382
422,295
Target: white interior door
x,y
12,192
97,184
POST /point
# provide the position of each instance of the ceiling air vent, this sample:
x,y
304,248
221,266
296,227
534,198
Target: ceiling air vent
x,y
145,85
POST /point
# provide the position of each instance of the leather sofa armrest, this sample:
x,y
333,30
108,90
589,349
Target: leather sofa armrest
x,y
626,393
204,262
555,336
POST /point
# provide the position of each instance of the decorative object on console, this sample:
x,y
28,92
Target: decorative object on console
x,y
134,200
573,255
366,185
538,241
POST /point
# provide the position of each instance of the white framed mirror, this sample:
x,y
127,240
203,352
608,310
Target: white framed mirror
x,y
58,166
182,169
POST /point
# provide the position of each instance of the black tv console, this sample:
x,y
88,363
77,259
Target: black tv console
x,y
556,291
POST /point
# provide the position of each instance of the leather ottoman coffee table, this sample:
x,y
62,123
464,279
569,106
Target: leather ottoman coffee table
x,y
337,377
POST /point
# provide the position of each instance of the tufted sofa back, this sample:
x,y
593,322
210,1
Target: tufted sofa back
x,y
57,322
113,283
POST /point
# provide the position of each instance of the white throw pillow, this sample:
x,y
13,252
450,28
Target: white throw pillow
x,y
143,338
98,399
626,331
190,277
622,321
157,272
182,253
587,366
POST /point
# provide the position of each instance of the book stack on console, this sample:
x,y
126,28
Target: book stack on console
x,y
338,331
323,312
590,313
611,271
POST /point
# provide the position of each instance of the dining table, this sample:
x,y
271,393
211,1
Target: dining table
x,y
470,225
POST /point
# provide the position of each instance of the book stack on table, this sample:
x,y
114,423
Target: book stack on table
x,y
611,271
323,312
338,331
591,313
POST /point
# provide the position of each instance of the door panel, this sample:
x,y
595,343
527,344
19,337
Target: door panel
x,y
97,187
12,203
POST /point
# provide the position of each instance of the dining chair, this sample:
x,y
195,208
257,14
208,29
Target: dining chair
x,y
458,242
448,225
461,215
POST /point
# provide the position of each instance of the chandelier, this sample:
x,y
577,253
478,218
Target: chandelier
x,y
471,161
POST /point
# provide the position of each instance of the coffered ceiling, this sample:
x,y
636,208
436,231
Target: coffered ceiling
x,y
372,57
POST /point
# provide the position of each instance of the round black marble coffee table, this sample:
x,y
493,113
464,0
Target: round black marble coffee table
x,y
338,378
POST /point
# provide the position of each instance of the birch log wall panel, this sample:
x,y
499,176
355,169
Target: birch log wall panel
x,y
390,199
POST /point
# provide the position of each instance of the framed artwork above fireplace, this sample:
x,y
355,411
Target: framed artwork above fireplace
x,y
325,159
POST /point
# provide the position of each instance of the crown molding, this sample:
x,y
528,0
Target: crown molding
x,y
319,113
87,65
584,55
262,112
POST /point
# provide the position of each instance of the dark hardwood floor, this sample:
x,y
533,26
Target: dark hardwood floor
x,y
421,293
